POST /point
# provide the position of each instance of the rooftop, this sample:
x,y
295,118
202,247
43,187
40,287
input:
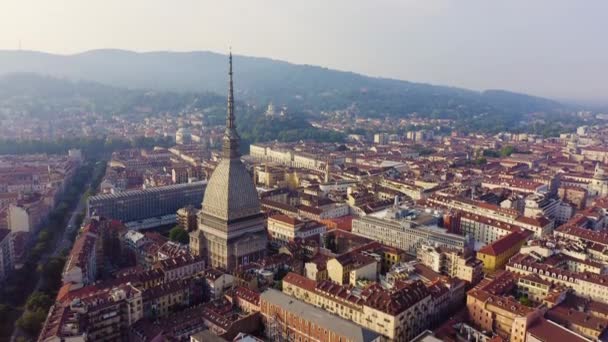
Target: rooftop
x,y
319,317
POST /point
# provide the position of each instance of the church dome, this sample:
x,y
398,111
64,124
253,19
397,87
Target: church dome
x,y
230,192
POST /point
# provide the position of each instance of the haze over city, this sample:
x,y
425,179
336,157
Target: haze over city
x,y
303,170
550,48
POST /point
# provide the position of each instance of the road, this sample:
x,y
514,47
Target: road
x,y
60,244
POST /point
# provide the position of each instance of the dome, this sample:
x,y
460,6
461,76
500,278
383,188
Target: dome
x,y
230,192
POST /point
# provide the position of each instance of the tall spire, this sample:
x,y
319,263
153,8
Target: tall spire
x,y
230,112
231,137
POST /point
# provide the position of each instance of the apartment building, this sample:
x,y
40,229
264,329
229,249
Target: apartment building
x,y
287,318
399,314
496,254
81,267
492,309
451,262
28,214
96,315
540,226
7,254
350,267
405,235
584,284
283,229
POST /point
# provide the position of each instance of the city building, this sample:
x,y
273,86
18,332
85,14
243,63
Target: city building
x,y
7,254
139,205
28,214
496,254
599,183
287,318
398,314
231,230
451,262
283,229
584,283
81,267
492,310
405,235
186,218
350,267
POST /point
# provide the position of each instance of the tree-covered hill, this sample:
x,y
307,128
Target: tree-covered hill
x,y
304,89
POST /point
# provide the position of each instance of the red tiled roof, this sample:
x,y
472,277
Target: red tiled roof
x,y
546,331
503,244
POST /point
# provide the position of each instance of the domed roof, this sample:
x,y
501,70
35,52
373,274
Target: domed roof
x,y
230,192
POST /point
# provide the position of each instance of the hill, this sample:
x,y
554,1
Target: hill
x,y
303,88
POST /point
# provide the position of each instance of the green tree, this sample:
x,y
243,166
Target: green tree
x,y
44,235
38,300
507,151
481,161
32,321
179,234
524,300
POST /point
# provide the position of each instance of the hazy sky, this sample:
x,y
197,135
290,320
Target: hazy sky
x,y
554,48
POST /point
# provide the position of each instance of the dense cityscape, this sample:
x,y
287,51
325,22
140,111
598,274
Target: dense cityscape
x,y
303,171
429,235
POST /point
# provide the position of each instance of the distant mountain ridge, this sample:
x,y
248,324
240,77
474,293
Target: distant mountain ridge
x,y
303,88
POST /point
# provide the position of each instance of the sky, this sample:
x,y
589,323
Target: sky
x,y
553,48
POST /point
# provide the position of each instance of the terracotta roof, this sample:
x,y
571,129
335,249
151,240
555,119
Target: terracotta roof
x,y
503,244
285,219
547,331
300,281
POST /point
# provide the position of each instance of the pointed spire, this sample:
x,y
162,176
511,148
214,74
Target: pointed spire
x,y
230,112
231,137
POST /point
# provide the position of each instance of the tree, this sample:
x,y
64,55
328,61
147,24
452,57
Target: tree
x,y
507,151
524,300
31,321
179,234
38,300
44,235
481,161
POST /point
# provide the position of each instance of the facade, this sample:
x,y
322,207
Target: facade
x,y
27,215
290,319
283,229
231,227
491,310
585,284
399,314
484,230
350,267
180,267
7,254
540,226
575,195
496,255
99,315
451,262
186,218
599,183
138,205
404,235
81,267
